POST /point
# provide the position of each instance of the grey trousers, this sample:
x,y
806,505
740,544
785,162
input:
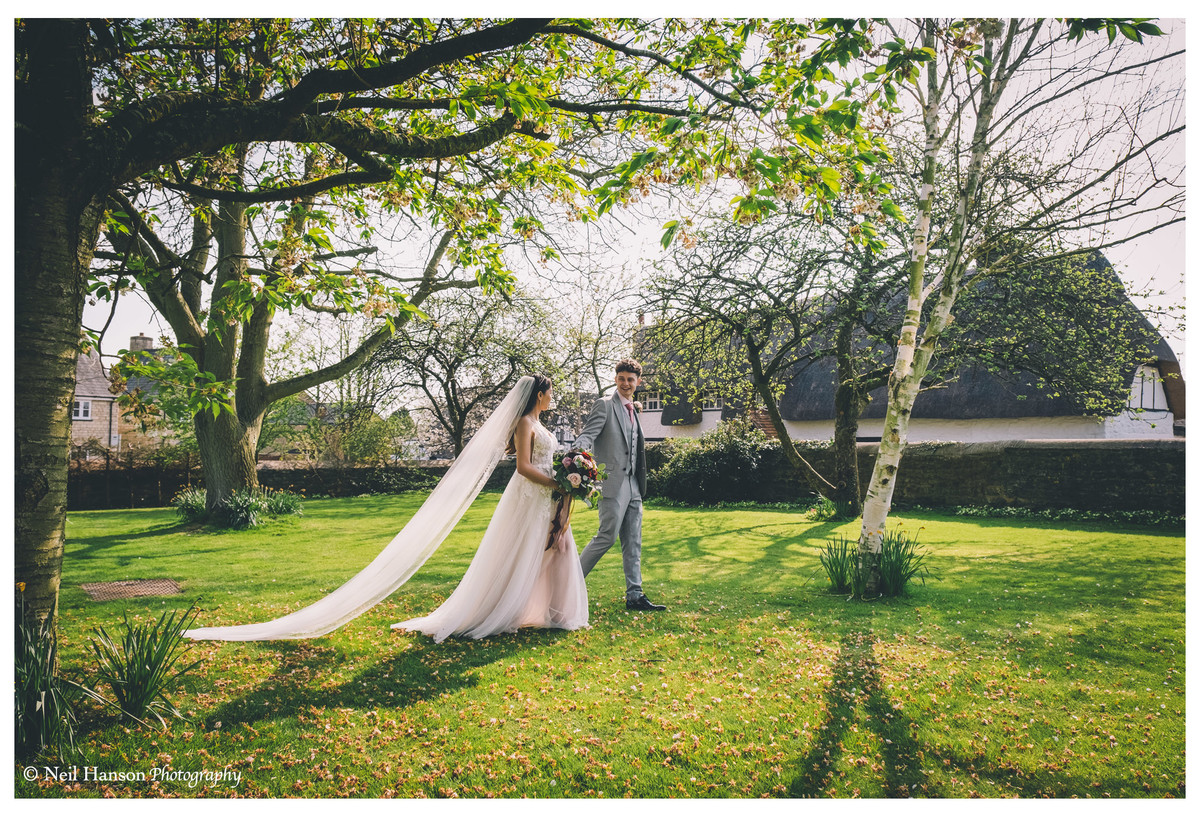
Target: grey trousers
x,y
619,517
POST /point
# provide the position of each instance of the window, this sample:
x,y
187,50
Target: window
x,y
81,409
652,401
711,403
1145,391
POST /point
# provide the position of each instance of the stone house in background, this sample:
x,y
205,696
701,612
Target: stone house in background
x,y
97,421
95,415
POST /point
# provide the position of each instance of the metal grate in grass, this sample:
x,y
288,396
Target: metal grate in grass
x,y
119,590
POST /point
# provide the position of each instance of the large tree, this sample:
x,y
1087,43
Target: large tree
x,y
750,308
744,308
105,108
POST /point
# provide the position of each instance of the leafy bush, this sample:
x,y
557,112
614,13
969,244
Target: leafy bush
x,y
658,454
189,504
44,716
722,467
244,508
140,668
830,510
1148,517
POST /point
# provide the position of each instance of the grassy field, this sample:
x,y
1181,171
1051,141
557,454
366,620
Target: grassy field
x,y
1043,660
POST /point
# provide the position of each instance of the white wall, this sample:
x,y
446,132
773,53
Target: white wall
x,y
1126,426
653,428
1151,421
966,430
1147,414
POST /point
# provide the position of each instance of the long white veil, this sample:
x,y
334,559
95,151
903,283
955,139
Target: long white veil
x,y
411,547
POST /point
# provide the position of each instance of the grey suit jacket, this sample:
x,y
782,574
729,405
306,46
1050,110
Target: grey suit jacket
x,y
606,432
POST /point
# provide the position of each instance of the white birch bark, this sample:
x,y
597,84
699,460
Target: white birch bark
x,y
916,347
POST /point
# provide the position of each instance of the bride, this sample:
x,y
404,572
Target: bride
x,y
512,581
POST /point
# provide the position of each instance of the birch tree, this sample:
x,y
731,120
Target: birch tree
x,y
1097,120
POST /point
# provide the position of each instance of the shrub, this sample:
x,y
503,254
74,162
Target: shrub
x,y
722,467
282,503
189,504
140,668
829,510
1155,518
244,508
44,715
658,454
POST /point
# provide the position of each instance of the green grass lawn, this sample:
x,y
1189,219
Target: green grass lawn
x,y
1045,660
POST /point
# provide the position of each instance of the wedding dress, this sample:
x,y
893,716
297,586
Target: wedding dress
x,y
564,603
513,580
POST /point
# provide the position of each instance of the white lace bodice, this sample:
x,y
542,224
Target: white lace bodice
x,y
544,444
542,457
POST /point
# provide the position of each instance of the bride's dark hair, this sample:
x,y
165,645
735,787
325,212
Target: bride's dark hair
x,y
541,384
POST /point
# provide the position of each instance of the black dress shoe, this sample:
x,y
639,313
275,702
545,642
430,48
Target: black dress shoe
x,y
642,604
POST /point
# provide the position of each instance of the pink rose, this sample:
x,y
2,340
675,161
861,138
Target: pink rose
x,y
567,461
575,479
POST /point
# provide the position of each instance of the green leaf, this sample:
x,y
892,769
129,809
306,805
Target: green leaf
x,y
669,230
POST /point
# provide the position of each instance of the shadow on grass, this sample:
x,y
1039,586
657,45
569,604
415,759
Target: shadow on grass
x,y
908,759
424,671
856,682
707,544
96,545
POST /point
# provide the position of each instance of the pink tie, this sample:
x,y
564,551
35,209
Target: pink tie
x,y
629,407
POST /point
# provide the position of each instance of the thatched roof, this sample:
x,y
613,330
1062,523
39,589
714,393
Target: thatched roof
x,y
972,393
976,393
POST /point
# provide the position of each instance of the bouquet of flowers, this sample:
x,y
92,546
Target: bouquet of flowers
x,y
578,476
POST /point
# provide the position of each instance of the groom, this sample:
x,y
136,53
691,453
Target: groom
x,y
614,434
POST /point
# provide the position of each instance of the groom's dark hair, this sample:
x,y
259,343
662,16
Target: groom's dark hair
x,y
630,365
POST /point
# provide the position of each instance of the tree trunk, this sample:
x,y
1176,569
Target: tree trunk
x,y
227,454
915,349
848,407
904,382
50,264
849,401
56,226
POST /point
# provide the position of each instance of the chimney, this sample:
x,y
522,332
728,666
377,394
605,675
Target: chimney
x,y
141,343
